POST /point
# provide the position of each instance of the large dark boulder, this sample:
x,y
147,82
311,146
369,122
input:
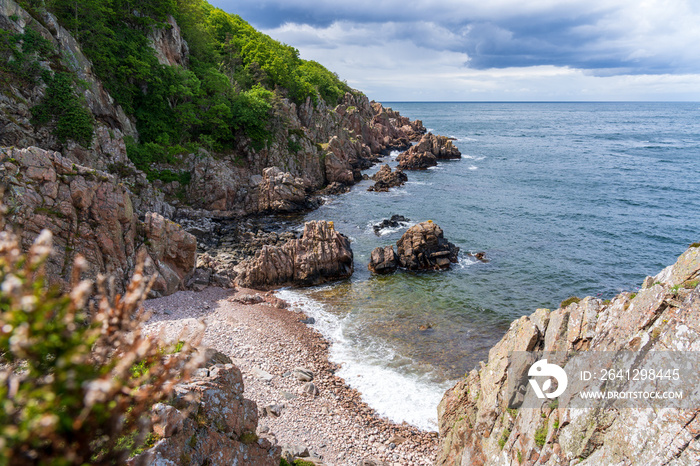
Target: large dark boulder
x,y
383,260
385,179
422,247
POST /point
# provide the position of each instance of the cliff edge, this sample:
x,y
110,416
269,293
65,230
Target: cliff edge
x,y
478,424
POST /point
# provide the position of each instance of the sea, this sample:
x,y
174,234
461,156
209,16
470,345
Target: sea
x,y
565,199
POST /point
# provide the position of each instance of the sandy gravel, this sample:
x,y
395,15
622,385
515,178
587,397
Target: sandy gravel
x,y
336,426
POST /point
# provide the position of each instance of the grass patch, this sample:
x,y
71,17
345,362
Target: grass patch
x,y
248,438
504,438
541,435
569,301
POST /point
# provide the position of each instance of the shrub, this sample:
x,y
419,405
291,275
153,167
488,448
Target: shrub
x,y
62,106
67,392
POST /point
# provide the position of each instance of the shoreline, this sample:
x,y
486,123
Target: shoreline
x,y
269,339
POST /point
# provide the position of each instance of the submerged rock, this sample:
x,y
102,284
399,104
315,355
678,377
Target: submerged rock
x,y
395,221
320,255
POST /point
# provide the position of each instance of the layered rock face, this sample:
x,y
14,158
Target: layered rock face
x,y
210,422
476,427
422,247
385,179
280,191
427,152
91,215
320,255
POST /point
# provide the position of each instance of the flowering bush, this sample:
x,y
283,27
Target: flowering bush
x,y
68,394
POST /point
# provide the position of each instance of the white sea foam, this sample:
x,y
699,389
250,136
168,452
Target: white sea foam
x,y
365,369
473,167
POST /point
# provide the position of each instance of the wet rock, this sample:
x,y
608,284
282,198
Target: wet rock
x,y
395,221
480,256
249,299
416,160
320,255
385,179
427,152
335,188
383,260
424,247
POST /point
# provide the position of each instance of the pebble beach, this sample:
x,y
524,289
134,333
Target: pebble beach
x,y
275,350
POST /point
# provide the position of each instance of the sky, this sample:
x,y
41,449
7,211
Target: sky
x,y
494,50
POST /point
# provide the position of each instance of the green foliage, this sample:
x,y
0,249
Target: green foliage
x,y
251,111
225,92
695,245
541,435
569,301
63,107
20,55
504,438
519,455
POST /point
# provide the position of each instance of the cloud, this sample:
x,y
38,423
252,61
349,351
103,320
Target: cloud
x,y
371,43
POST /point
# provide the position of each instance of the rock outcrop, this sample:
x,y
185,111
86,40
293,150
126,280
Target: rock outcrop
x,y
422,247
173,252
320,255
427,152
210,422
477,426
171,49
89,214
383,260
280,191
385,179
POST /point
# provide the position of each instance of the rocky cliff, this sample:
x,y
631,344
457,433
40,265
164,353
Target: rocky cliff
x,y
100,205
480,424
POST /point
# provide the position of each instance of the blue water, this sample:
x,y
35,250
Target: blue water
x,y
566,199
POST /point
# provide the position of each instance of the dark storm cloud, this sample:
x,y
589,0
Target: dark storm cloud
x,y
602,36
